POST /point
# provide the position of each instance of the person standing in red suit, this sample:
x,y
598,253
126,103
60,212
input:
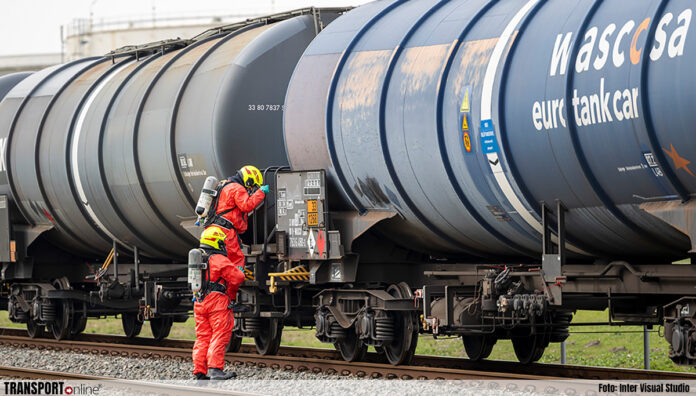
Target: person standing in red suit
x,y
212,310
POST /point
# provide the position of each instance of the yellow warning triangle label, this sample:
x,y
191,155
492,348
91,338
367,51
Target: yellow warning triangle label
x,y
465,124
465,102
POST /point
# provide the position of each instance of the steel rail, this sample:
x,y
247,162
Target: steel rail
x,y
328,361
20,373
276,362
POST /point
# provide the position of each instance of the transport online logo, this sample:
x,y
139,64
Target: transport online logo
x,y
49,388
612,45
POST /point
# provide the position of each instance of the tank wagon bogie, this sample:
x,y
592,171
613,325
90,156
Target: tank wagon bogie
x,y
454,167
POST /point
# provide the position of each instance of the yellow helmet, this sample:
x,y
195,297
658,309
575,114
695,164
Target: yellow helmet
x,y
213,238
251,176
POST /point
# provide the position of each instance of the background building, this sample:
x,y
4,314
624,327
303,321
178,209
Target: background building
x,y
83,37
97,27
30,62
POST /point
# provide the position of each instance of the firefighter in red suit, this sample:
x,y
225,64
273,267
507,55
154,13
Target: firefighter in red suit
x,y
212,310
214,319
236,199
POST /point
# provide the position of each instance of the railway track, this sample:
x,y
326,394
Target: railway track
x,y
328,361
115,383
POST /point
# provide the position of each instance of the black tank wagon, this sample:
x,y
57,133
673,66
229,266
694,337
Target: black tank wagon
x,y
464,167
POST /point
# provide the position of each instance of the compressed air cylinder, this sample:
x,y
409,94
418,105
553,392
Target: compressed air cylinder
x,y
206,198
195,270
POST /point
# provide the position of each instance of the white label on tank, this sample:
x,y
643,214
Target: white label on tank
x,y
75,144
3,143
311,243
486,113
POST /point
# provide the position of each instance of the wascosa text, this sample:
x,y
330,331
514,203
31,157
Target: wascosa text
x,y
615,44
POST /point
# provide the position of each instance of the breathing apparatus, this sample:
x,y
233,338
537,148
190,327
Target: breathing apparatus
x,y
208,194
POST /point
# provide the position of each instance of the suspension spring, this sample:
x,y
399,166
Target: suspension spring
x,y
18,314
559,327
385,329
251,325
337,332
49,312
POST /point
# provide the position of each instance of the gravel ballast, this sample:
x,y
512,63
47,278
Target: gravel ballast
x,y
250,380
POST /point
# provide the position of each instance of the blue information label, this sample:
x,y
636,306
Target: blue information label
x,y
489,143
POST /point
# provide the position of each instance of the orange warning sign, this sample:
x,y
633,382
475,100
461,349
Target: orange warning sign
x,y
465,124
467,142
312,219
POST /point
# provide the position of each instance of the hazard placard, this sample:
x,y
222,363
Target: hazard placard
x,y
465,107
467,142
465,123
321,243
312,219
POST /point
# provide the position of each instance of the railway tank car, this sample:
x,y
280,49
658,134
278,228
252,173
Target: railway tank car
x,y
482,128
390,130
456,167
108,153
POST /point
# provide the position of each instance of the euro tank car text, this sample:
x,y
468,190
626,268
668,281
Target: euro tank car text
x,y
606,47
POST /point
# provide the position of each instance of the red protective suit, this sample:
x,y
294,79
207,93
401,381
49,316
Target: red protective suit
x,y
214,321
236,196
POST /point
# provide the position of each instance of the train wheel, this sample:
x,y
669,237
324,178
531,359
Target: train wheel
x,y
268,339
160,327
235,343
78,325
530,349
131,324
60,327
403,347
34,329
478,347
79,321
352,349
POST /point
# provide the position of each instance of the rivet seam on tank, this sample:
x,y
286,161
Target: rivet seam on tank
x,y
75,143
486,114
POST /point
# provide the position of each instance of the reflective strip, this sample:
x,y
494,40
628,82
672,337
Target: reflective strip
x,y
293,274
76,143
486,114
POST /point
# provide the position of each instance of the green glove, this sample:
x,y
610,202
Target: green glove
x,y
265,188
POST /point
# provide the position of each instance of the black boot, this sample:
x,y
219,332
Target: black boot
x,y
201,376
218,374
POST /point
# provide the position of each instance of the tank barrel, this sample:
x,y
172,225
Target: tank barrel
x,y
465,131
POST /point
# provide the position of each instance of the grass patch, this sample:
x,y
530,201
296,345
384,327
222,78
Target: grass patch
x,y
617,346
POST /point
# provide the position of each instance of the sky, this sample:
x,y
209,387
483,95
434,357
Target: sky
x,y
33,26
